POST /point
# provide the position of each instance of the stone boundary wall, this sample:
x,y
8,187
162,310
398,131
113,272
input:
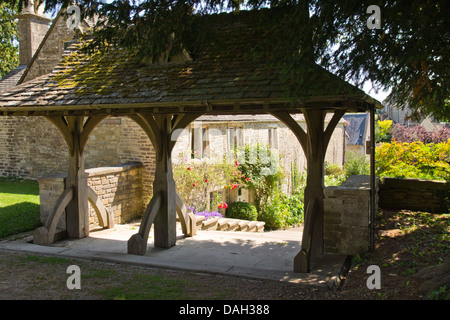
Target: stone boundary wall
x,y
119,187
414,194
31,147
347,216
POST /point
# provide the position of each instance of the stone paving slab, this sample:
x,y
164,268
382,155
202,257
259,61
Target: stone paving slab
x,y
259,255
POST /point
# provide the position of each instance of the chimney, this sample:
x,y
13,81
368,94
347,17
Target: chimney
x,y
33,26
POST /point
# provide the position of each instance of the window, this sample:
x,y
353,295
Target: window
x,y
235,138
199,142
273,138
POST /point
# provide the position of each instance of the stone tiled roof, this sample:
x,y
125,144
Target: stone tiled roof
x,y
225,76
12,78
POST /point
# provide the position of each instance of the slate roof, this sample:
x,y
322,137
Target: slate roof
x,y
12,78
225,77
356,127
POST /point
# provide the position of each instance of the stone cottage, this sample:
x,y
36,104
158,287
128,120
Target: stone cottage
x,y
215,135
31,147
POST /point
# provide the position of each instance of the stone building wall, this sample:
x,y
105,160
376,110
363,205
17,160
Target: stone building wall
x,y
33,148
50,50
289,149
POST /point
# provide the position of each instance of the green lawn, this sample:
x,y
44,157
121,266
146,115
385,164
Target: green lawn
x,y
19,206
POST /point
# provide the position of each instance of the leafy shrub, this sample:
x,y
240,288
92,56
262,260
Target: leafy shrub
x,y
383,130
260,171
242,210
282,211
356,165
334,170
414,160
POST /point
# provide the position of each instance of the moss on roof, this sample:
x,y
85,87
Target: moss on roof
x,y
233,59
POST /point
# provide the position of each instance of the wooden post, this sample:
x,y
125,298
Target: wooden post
x,y
75,196
165,220
372,181
313,228
77,216
314,143
162,209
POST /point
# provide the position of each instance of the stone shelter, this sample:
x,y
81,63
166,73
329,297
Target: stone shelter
x,y
42,43
162,99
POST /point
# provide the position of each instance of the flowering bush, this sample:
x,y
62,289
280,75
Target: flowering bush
x,y
259,170
403,133
195,179
415,160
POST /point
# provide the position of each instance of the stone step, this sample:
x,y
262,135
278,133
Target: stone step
x,y
228,224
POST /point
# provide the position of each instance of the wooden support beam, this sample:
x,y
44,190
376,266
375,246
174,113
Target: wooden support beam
x,y
163,207
295,127
313,227
75,198
45,235
105,217
77,217
165,220
314,143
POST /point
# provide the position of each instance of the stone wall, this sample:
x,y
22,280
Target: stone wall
x,y
119,188
415,194
33,147
347,216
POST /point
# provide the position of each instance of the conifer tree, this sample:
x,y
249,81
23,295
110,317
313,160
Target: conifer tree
x,y
408,51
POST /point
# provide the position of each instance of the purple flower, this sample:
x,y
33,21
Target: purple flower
x,y
209,214
205,213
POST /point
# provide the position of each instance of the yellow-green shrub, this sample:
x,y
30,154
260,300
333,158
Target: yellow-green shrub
x,y
413,160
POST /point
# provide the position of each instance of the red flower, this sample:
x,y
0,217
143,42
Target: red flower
x,y
234,186
223,205
193,184
189,168
206,180
247,179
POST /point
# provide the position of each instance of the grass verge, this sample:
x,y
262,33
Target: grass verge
x,y
19,206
